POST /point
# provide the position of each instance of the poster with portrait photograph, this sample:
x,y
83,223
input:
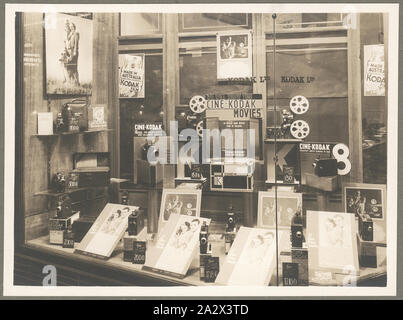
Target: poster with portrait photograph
x,y
234,55
107,230
252,258
288,203
131,75
332,243
68,42
175,246
369,199
179,201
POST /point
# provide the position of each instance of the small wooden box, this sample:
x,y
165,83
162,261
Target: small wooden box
x,y
322,183
367,253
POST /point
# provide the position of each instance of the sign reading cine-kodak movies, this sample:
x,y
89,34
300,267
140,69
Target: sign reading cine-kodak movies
x,y
247,106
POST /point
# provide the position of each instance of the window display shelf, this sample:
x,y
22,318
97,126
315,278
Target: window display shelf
x,y
283,140
52,193
72,133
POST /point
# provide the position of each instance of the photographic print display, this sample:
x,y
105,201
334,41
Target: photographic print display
x,y
370,199
175,246
131,75
332,243
106,231
174,201
251,259
288,203
234,55
365,198
68,54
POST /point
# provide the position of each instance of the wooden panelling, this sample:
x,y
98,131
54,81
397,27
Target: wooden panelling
x,y
36,225
44,156
354,102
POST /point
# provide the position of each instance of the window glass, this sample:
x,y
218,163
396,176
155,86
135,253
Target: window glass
x,y
139,111
139,23
212,21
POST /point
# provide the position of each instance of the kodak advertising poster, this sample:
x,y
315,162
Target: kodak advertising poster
x,y
332,244
107,230
176,245
131,71
251,259
374,70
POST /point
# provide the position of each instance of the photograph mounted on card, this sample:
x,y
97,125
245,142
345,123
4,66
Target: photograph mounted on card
x,y
368,201
107,230
184,202
251,259
176,245
234,55
131,75
365,198
68,41
288,204
332,243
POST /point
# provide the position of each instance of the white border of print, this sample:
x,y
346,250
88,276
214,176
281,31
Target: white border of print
x,y
9,153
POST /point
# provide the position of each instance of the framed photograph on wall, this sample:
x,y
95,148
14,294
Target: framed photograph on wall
x,y
68,42
106,232
234,55
332,243
288,203
179,201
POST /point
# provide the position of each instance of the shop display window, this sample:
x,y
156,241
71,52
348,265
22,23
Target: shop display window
x,y
306,208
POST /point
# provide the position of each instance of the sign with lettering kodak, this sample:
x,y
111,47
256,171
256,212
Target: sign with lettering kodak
x,y
316,147
374,70
248,106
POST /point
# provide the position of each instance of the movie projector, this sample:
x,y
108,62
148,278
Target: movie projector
x,y
289,127
193,116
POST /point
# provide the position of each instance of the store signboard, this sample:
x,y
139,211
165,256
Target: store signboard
x,y
106,232
234,55
374,70
131,75
251,259
146,129
176,245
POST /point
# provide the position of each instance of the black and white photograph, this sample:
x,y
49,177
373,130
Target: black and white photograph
x,y
283,205
68,54
286,115
365,199
234,47
234,58
185,202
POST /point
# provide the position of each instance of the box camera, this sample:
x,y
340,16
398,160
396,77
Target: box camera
x,y
135,222
296,235
230,220
325,167
203,238
365,227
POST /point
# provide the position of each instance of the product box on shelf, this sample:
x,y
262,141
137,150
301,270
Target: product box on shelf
x,y
92,169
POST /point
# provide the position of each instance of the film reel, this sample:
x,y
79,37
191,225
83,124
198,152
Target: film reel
x,y
197,104
299,129
199,128
299,104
